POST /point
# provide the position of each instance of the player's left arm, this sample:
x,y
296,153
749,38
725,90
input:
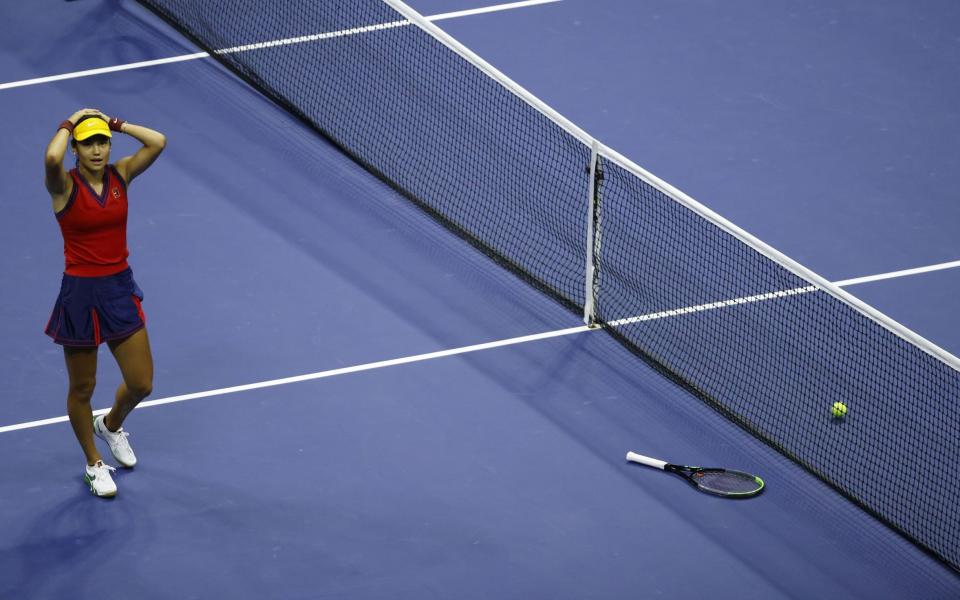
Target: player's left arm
x,y
153,144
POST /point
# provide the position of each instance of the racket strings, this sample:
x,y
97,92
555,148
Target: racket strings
x,y
727,482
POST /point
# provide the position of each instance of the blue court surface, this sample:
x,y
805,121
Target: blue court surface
x,y
829,129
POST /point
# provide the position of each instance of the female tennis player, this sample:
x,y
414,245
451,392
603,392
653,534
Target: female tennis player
x,y
99,301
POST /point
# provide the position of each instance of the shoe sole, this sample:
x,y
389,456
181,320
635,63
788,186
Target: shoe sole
x,y
94,492
123,464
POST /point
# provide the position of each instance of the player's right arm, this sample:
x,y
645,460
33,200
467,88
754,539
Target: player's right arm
x,y
58,184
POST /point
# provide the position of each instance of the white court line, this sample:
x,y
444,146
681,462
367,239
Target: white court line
x,y
268,44
487,9
323,374
90,72
713,306
489,345
927,269
783,294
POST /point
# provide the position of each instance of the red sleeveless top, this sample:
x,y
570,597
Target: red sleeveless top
x,y
94,226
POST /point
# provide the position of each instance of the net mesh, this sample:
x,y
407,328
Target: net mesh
x,y
759,343
420,117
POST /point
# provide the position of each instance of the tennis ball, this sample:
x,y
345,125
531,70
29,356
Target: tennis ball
x,y
839,410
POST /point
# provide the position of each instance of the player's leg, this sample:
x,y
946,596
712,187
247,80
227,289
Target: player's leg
x,y
136,365
82,371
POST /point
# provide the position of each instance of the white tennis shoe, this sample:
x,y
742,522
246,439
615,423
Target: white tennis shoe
x,y
119,446
99,479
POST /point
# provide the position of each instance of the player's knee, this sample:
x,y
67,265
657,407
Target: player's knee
x,y
140,389
82,388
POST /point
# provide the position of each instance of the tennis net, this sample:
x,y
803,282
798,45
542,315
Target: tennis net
x,y
763,340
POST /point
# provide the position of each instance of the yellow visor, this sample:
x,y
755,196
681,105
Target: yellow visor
x,y
91,127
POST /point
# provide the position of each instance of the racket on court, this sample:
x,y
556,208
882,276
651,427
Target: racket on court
x,y
719,482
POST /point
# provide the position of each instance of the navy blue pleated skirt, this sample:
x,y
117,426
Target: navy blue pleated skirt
x,y
93,310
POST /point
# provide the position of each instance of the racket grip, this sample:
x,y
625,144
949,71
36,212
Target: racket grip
x,y
646,460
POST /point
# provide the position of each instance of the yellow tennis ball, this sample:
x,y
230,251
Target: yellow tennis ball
x,y
839,410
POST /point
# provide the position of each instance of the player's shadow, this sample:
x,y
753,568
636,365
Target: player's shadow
x,y
84,532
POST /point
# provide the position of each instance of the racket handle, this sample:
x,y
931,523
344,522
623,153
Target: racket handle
x,y
646,460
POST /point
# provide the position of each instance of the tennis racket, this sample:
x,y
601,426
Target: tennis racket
x,y
719,482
